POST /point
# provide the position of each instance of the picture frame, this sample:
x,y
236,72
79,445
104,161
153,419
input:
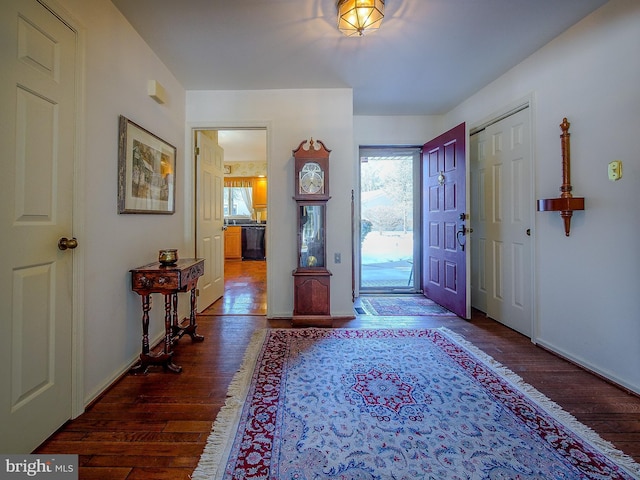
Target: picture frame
x,y
146,171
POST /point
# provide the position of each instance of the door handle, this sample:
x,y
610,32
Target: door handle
x,y
461,233
67,243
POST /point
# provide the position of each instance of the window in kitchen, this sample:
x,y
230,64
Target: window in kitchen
x,y
236,201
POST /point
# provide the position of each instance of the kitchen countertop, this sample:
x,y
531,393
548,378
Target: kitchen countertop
x,y
231,223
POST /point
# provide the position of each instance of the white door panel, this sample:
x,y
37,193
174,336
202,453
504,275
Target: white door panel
x,y
479,214
501,221
37,133
210,219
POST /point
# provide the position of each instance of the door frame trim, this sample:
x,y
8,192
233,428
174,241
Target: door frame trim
x,y
528,101
78,401
190,181
417,227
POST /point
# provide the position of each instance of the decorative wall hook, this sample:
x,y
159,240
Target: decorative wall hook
x,y
567,203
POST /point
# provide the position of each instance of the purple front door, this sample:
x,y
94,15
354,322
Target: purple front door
x,y
444,275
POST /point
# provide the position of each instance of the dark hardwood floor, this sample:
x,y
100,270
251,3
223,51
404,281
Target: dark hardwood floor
x,y
155,426
245,289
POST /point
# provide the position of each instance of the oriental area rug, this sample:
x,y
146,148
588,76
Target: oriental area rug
x,y
402,306
393,404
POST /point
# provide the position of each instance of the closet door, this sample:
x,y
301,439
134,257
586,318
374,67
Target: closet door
x,y
501,212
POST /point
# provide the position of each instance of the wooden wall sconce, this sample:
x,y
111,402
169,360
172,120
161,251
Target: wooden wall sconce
x,y
567,203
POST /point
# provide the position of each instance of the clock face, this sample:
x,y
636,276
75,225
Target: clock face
x,y
311,179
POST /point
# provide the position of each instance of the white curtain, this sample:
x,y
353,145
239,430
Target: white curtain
x,y
247,196
246,191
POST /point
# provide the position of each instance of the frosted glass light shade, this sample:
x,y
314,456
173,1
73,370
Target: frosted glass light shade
x,y
355,17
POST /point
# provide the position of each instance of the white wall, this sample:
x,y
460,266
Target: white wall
x,y
118,65
588,284
292,116
395,130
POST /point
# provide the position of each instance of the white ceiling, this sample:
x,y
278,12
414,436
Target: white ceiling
x,y
243,145
427,57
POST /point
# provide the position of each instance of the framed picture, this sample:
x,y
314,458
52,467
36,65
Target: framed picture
x,y
146,171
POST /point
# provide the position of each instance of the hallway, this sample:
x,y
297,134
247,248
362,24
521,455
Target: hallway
x,y
245,289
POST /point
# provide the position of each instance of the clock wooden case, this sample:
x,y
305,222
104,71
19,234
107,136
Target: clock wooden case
x,y
311,279
311,171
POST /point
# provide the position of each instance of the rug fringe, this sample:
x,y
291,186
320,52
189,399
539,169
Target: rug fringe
x,y
556,411
211,464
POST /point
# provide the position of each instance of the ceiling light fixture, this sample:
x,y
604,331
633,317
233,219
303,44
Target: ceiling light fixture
x,y
357,16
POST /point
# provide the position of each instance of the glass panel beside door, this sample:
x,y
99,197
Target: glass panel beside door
x,y
389,220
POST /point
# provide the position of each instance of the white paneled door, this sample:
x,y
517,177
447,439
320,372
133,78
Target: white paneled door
x,y
37,134
210,218
501,204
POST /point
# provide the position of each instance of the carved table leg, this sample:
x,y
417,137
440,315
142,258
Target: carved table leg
x,y
175,325
168,352
146,357
146,306
191,329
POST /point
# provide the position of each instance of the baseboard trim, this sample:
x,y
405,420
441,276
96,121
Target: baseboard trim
x,y
334,318
119,374
593,372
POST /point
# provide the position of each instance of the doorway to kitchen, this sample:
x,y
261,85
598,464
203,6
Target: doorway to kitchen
x,y
389,220
238,198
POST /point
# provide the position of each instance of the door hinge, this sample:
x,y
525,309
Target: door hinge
x,y
196,151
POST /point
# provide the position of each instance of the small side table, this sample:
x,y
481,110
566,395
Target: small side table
x,y
168,280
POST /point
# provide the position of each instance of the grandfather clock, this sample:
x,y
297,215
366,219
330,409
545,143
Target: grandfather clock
x,y
311,279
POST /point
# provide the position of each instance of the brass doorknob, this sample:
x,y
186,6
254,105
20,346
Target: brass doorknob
x,y
65,243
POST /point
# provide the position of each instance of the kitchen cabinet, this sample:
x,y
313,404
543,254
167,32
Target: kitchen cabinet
x,y
233,243
259,192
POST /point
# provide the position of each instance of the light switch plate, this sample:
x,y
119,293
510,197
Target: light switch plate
x,y
615,170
